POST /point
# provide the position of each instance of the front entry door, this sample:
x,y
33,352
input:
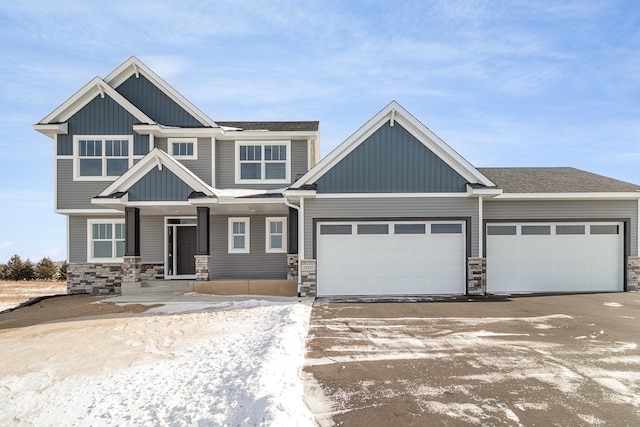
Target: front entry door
x,y
186,250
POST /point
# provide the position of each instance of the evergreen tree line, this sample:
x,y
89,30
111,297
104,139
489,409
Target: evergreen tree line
x,y
16,269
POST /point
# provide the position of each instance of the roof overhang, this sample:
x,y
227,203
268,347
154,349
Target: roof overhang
x,y
51,129
569,196
169,131
485,192
268,134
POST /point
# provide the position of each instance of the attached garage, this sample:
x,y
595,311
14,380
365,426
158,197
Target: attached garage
x,y
391,258
555,257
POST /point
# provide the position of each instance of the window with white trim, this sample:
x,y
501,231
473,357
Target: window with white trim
x,y
183,148
239,235
106,240
267,162
102,157
276,235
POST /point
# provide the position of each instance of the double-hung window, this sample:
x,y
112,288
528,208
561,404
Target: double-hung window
x,y
106,240
99,158
239,235
276,235
267,162
183,148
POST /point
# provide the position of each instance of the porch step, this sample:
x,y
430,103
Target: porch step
x,y
157,287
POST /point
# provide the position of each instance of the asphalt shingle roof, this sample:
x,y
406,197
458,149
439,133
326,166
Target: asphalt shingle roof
x,y
554,180
272,126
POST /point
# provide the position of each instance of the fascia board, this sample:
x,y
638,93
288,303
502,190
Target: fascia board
x,y
52,129
127,69
300,193
268,134
161,131
569,196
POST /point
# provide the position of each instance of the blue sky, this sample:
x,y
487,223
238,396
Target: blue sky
x,y
519,83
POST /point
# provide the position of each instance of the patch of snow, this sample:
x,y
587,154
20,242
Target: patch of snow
x,y
466,412
591,420
626,317
613,304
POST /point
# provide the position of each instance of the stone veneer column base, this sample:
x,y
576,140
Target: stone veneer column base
x,y
94,278
292,266
633,274
477,276
131,269
202,267
308,287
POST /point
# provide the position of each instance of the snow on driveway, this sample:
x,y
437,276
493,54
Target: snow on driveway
x,y
231,364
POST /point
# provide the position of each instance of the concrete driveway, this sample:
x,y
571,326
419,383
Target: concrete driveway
x,y
567,360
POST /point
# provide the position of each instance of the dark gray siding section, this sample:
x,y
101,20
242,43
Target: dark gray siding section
x,y
152,238
159,185
202,166
361,208
76,194
226,165
255,265
101,116
391,160
154,103
567,209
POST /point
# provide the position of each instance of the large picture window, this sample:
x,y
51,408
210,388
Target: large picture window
x,y
106,240
98,158
267,162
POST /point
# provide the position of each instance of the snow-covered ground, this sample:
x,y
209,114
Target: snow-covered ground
x,y
226,364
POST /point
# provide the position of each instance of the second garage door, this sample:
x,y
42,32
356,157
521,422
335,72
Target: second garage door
x,y
560,257
391,258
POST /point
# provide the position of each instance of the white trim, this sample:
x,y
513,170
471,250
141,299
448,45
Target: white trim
x,y
267,228
102,138
152,142
133,66
308,154
174,267
88,211
561,196
112,221
175,140
52,129
86,95
55,175
68,241
267,135
387,195
263,162
480,228
247,235
301,238
413,126
213,161
163,131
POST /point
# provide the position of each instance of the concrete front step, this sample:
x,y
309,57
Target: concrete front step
x,y
157,287
272,287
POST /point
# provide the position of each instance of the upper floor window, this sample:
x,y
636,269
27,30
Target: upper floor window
x,y
267,162
183,148
102,157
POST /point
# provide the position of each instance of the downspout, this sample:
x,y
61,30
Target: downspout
x,y
300,237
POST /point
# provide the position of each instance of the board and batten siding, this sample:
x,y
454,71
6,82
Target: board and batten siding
x,y
255,265
75,194
202,166
102,116
226,164
362,208
159,185
152,231
391,160
567,209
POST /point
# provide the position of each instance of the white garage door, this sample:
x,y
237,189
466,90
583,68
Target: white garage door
x,y
391,258
559,257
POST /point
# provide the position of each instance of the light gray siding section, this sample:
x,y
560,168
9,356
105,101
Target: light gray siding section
x,y
202,166
78,236
152,238
101,116
226,165
255,265
159,185
391,160
75,194
567,209
155,103
363,208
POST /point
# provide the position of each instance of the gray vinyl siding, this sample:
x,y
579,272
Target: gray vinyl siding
x,y
159,185
102,116
226,165
78,236
362,208
255,265
391,160
152,238
75,194
202,166
155,103
567,209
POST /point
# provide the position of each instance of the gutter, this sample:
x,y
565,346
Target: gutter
x,y
300,238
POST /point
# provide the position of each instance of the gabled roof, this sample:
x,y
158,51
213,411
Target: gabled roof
x,y
555,180
134,66
96,87
271,126
160,159
394,112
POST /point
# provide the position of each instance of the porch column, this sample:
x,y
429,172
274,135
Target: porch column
x,y
203,255
292,245
131,266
